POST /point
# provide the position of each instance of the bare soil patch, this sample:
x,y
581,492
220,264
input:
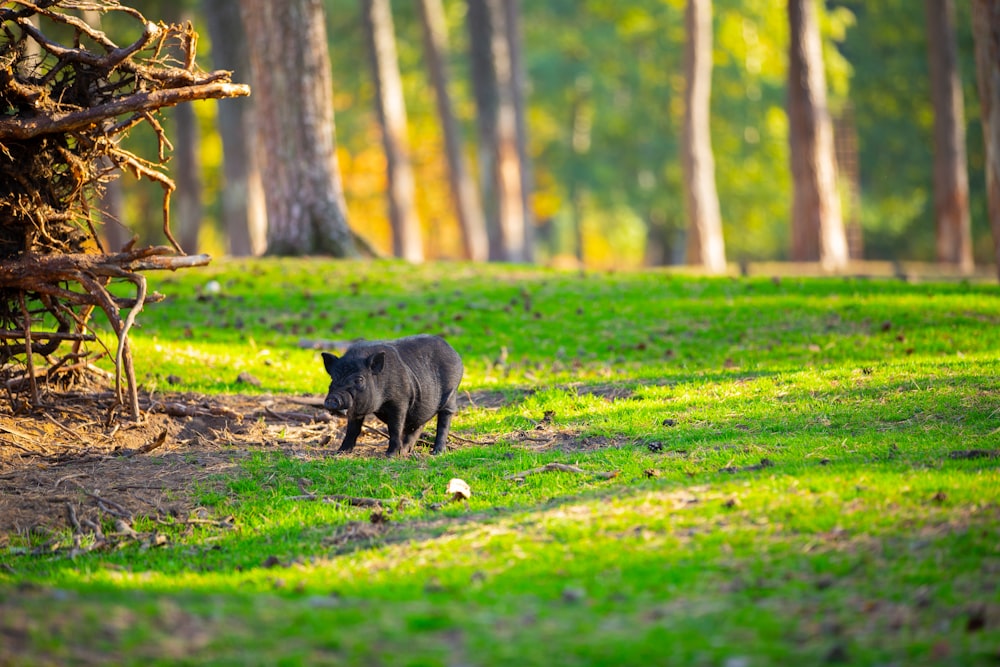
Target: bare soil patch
x,y
79,460
77,452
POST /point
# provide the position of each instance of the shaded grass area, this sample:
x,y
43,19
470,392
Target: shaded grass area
x,y
805,472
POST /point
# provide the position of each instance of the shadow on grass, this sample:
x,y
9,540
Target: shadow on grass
x,y
833,432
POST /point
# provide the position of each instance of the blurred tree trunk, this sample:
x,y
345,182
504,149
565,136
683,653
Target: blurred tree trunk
x,y
817,224
518,83
391,109
951,178
186,202
111,204
986,34
244,216
306,212
463,188
499,165
186,172
705,245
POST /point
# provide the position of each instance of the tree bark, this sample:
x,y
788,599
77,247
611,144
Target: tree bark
x,y
391,109
187,169
111,202
499,166
817,223
290,64
986,34
244,216
951,178
187,203
705,245
518,83
463,187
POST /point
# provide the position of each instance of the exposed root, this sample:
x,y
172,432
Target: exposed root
x,y
65,105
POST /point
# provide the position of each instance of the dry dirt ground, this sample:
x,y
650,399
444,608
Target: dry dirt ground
x,y
79,462
80,453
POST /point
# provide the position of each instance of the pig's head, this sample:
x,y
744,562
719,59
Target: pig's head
x,y
354,386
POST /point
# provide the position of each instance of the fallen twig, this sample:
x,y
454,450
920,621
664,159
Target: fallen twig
x,y
63,427
149,446
182,410
73,520
355,501
973,454
108,506
298,416
562,467
764,463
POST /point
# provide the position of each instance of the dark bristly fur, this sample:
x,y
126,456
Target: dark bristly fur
x,y
403,382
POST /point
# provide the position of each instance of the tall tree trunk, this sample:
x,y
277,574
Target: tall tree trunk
x,y
244,215
817,224
845,136
986,33
499,166
705,245
111,204
186,202
518,84
951,178
290,64
463,188
391,108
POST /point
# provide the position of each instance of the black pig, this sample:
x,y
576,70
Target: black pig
x,y
403,382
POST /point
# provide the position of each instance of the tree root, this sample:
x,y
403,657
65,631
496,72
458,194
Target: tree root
x,y
67,106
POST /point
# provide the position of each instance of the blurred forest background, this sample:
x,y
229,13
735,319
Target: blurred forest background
x,y
604,85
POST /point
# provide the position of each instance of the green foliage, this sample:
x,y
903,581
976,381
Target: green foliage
x,y
890,98
785,490
605,108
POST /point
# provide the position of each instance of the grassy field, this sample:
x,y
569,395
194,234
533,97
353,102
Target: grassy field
x,y
774,472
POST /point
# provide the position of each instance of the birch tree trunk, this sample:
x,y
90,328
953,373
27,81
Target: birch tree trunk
x,y
391,109
705,245
290,64
951,178
463,187
986,34
817,223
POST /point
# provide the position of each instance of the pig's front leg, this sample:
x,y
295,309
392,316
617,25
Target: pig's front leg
x,y
351,435
410,438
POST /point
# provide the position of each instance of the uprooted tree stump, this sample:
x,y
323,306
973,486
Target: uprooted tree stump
x,y
68,95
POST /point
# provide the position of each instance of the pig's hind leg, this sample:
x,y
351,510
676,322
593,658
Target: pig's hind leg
x,y
445,414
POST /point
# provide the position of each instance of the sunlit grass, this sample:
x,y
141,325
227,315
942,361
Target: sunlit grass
x,y
768,479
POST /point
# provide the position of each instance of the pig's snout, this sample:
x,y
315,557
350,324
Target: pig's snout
x,y
337,401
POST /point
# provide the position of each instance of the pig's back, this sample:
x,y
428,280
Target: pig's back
x,y
435,364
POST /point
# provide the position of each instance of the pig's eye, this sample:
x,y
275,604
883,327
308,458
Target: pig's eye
x,y
359,381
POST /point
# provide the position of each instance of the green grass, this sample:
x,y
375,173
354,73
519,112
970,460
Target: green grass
x,y
862,542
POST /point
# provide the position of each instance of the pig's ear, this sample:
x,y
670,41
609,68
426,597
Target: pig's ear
x,y
329,361
376,362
